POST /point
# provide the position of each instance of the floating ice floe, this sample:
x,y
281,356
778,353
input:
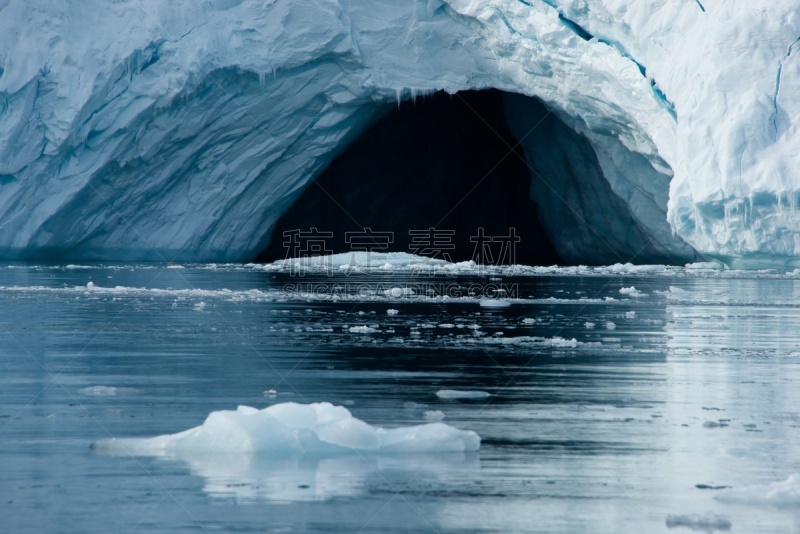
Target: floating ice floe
x,y
363,329
705,265
290,428
631,291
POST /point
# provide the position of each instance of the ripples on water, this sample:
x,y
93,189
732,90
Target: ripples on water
x,y
610,409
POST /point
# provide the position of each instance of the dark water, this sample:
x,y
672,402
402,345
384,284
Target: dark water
x,y
691,380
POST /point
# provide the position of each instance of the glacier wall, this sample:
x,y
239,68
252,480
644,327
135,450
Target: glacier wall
x,y
154,130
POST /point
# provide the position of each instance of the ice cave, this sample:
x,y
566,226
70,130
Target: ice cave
x,y
452,164
190,133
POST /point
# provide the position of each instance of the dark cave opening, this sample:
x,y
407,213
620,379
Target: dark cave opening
x,y
441,176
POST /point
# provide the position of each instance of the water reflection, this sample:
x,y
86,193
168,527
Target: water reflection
x,y
253,477
664,397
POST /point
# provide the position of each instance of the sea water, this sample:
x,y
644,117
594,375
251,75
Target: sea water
x,y
618,399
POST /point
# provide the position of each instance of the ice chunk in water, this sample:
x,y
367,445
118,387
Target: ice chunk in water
x,y
363,329
291,428
631,291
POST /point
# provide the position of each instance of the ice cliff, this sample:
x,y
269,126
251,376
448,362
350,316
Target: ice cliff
x,y
159,130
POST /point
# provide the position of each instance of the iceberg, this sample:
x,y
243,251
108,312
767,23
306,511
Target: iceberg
x,y
289,429
155,131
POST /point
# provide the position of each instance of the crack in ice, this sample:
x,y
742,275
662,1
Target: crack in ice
x,y
586,35
777,91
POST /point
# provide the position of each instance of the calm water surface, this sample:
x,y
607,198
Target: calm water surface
x,y
608,408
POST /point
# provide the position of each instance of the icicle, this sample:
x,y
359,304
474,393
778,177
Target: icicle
x,y
399,93
262,79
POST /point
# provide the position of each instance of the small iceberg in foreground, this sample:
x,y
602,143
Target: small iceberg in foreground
x,y
291,428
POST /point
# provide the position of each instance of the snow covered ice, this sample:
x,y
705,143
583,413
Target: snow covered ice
x,y
199,124
290,428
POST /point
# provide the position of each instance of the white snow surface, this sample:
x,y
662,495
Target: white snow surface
x,y
156,130
290,428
